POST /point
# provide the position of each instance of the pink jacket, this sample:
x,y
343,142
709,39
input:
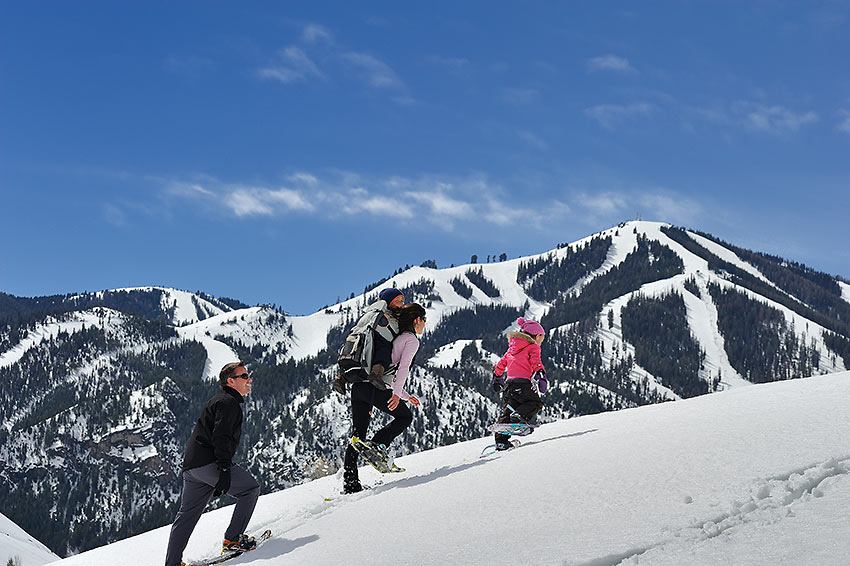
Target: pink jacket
x,y
522,358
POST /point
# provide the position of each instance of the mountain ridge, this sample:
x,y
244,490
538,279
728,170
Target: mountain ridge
x,y
640,313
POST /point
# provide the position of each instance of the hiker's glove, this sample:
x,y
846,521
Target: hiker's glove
x,y
542,382
222,486
498,383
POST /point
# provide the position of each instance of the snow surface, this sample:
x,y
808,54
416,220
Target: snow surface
x,y
754,475
845,291
18,543
450,354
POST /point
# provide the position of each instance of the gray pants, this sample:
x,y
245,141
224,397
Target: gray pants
x,y
198,485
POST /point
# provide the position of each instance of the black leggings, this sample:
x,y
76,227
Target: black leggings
x,y
520,395
364,396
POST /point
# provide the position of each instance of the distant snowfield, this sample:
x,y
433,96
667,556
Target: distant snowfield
x,y
97,317
450,354
755,475
845,291
186,305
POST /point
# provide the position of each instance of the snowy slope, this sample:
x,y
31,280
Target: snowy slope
x,y
188,307
250,327
756,475
73,322
17,543
845,291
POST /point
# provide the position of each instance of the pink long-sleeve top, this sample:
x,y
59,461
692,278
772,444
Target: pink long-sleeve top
x,y
522,358
405,347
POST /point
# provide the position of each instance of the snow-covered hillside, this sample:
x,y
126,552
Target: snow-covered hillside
x,y
757,475
310,331
17,544
187,307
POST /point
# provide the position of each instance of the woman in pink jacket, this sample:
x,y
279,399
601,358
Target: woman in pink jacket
x,y
525,377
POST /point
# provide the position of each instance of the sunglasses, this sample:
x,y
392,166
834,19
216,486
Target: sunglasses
x,y
242,376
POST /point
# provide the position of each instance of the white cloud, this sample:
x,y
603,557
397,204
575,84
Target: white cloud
x,y
289,199
610,115
244,202
261,201
500,215
504,213
303,179
294,66
314,33
374,71
441,205
281,74
670,207
360,200
297,64
603,203
610,63
775,120
191,190
444,203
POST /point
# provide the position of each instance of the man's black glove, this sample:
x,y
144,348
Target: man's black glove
x,y
223,484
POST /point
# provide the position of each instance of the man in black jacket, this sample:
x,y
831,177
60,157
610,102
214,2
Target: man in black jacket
x,y
208,469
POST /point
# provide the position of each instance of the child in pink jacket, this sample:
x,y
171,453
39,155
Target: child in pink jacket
x,y
525,377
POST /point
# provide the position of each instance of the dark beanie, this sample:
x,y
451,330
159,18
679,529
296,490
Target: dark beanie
x,y
388,295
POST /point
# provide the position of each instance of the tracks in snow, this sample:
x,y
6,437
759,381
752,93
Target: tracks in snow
x,y
771,500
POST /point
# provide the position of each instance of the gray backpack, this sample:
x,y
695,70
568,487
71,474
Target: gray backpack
x,y
356,354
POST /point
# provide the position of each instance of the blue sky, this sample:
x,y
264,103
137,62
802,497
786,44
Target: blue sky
x,y
291,153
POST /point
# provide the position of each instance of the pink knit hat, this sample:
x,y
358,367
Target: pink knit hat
x,y
530,326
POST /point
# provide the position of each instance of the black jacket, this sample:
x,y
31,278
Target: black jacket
x,y
215,437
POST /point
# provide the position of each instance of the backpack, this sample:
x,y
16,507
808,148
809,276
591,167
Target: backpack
x,y
356,353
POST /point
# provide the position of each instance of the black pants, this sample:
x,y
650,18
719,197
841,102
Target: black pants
x,y
364,396
520,395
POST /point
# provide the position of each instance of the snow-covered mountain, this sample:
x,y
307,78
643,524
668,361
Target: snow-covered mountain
x,y
20,547
757,476
100,390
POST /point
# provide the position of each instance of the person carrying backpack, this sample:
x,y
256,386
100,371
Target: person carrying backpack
x,y
367,352
522,366
365,395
